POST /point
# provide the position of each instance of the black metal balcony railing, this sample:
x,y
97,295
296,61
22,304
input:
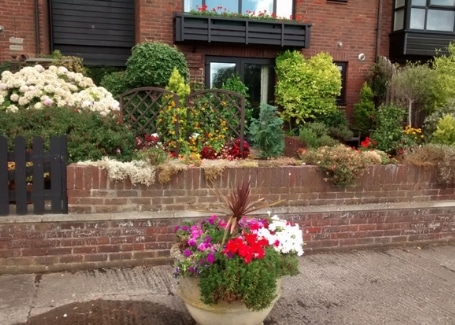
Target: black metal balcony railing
x,y
214,29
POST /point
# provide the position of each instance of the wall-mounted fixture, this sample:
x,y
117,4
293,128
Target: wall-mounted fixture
x,y
339,44
2,29
361,57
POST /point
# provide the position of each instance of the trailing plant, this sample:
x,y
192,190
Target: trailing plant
x,y
340,164
306,88
364,111
266,132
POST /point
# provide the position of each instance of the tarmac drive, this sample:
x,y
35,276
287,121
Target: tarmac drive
x,y
411,285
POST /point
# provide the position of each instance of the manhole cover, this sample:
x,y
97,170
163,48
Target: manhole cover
x,y
108,312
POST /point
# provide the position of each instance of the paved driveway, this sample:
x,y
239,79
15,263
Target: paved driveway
x,y
397,286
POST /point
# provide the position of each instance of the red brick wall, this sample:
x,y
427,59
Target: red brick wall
x,y
89,190
390,205
353,23
18,20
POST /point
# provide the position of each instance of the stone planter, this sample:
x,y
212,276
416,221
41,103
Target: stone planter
x,y
222,313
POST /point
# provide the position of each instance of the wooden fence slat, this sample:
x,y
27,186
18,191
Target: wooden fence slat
x,y
20,175
4,190
38,175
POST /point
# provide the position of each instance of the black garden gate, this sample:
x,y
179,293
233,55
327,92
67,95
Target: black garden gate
x,y
33,177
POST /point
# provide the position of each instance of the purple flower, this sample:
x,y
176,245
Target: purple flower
x,y
210,258
187,253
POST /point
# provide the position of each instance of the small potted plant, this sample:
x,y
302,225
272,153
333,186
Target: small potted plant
x,y
230,270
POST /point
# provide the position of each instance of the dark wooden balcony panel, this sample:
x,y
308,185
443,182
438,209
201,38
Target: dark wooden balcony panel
x,y
419,43
209,29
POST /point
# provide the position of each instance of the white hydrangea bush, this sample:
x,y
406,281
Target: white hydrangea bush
x,y
38,88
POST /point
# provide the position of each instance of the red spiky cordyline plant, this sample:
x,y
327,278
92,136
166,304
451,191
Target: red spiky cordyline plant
x,y
240,204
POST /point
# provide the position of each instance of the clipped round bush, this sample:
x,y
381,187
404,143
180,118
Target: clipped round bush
x,y
152,63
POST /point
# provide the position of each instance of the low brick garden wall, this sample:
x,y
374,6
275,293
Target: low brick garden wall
x,y
120,224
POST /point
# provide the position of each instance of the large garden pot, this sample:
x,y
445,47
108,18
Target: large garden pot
x,y
222,313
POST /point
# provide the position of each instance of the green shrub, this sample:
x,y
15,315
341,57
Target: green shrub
x,y
90,135
98,72
340,164
316,134
337,124
389,128
364,110
266,132
431,120
306,88
235,84
152,63
115,82
445,131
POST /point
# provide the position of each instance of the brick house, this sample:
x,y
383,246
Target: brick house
x,y
354,32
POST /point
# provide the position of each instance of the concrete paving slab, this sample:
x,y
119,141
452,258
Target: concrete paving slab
x,y
396,286
17,293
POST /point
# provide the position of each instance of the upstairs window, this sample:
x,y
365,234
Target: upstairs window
x,y
426,15
272,8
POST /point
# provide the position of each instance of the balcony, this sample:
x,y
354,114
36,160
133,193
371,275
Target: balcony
x,y
214,29
406,44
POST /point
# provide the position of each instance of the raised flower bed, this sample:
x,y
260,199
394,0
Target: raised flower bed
x,y
220,29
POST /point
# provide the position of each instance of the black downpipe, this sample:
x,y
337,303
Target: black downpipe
x,y
378,30
37,30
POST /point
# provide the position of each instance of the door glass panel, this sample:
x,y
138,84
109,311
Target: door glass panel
x,y
419,2
440,20
417,18
220,72
259,80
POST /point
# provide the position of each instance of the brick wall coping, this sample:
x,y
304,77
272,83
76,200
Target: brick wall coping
x,y
197,214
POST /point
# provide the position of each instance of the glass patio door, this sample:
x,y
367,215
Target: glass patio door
x,y
257,74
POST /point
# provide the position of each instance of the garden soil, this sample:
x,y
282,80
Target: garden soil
x,y
406,285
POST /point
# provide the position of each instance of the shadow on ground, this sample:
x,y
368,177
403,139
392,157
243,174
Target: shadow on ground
x,y
109,312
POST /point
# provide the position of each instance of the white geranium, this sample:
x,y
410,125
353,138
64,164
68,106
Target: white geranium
x,y
37,87
285,236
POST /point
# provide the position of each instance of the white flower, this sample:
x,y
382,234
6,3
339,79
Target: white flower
x,y
38,105
12,109
284,236
55,86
